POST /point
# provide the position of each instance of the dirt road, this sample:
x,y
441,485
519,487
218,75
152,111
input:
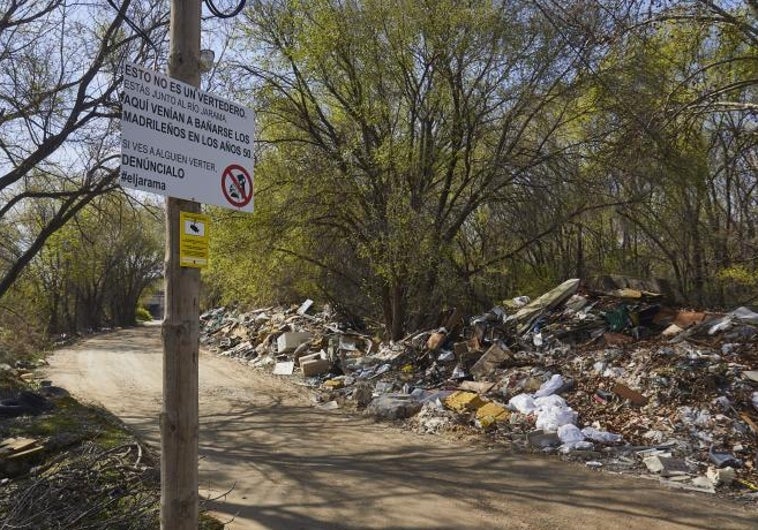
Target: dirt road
x,y
296,467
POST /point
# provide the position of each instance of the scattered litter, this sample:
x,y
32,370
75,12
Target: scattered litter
x,y
284,368
542,440
601,436
579,445
610,369
666,466
329,405
570,433
723,476
523,403
460,401
393,408
550,387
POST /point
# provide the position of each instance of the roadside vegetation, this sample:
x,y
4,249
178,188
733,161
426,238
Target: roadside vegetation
x,y
412,156
415,156
66,465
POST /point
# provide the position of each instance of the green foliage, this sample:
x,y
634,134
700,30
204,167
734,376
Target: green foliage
x,y
142,314
740,275
388,126
253,258
92,272
738,284
22,331
415,156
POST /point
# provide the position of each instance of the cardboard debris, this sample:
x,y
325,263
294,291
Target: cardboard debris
x,y
315,367
633,396
660,382
436,339
311,357
685,319
14,448
490,361
287,342
15,445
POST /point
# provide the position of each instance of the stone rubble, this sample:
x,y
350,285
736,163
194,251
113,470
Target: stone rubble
x,y
616,378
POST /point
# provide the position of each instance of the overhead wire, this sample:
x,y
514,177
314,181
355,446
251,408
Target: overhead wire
x,y
212,7
225,14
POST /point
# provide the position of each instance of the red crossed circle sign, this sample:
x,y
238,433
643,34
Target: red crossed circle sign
x,y
237,185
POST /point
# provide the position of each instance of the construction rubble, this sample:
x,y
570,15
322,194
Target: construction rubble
x,y
617,378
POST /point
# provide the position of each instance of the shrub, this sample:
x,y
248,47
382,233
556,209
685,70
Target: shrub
x,y
143,315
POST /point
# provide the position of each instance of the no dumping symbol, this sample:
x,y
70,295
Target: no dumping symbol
x,y
237,185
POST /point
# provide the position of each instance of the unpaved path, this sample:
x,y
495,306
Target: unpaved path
x,y
295,467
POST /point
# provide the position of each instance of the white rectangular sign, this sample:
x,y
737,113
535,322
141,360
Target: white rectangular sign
x,y
180,141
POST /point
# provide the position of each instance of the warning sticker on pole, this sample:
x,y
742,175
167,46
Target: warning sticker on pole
x,y
180,141
193,239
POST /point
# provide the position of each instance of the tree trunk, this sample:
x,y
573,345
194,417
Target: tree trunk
x,y
394,308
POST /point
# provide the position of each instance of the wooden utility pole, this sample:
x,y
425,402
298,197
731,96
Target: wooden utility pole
x,y
181,326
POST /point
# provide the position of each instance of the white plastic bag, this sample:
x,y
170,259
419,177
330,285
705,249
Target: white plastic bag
x,y
551,418
576,446
550,386
745,315
522,403
570,433
601,436
550,401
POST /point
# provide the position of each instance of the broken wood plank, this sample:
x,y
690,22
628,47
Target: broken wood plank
x,y
17,444
26,453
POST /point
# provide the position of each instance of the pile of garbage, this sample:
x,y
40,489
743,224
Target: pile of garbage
x,y
618,379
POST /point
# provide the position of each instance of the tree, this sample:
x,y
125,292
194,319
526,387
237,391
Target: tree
x,y
678,89
92,272
58,102
417,154
395,123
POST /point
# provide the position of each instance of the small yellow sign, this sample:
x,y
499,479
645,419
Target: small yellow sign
x,y
193,239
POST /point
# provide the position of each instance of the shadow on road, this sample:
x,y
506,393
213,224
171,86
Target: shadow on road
x,y
296,467
283,447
